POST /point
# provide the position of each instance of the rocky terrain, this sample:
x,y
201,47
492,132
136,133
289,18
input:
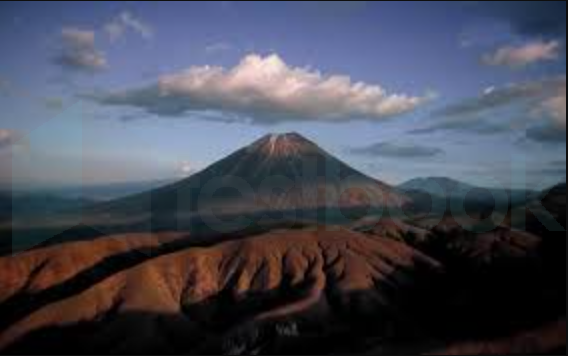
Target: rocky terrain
x,y
313,290
424,283
223,298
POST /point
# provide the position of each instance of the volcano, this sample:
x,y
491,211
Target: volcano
x,y
284,174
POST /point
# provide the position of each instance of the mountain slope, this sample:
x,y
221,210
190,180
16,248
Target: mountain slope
x,y
279,180
449,188
277,173
307,285
317,291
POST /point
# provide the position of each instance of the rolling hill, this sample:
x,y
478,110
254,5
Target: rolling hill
x,y
278,291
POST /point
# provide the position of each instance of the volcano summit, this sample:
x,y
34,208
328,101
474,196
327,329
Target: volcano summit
x,y
284,173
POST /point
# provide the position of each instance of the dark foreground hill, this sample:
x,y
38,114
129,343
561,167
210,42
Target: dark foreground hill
x,y
314,290
303,287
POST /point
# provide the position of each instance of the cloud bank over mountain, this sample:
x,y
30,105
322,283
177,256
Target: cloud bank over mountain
x,y
265,90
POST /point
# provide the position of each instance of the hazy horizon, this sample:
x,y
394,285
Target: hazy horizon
x,y
35,187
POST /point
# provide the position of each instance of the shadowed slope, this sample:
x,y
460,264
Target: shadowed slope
x,y
291,291
34,279
392,228
276,173
326,279
58,263
548,339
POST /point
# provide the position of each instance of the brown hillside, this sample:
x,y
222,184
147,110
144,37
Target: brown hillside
x,y
309,277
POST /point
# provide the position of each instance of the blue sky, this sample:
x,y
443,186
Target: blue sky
x,y
98,92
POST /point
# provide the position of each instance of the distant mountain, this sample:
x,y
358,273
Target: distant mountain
x,y
425,193
277,173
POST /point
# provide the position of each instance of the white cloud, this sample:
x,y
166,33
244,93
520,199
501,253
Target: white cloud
x,y
77,38
525,55
186,168
489,90
78,51
529,94
552,107
114,31
125,21
266,90
539,106
556,108
395,150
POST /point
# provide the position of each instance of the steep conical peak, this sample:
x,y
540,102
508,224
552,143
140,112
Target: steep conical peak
x,y
315,179
284,145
